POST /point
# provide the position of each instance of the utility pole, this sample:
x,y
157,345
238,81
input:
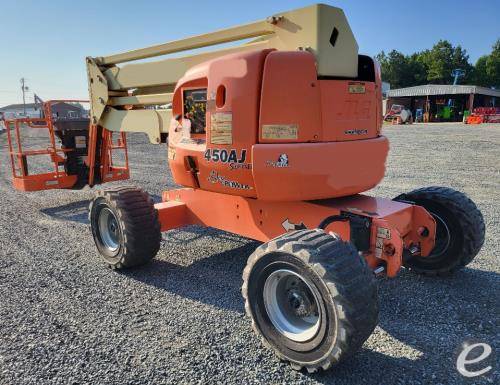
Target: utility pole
x,y
24,88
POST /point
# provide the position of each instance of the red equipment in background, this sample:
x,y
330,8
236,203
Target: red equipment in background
x,y
484,115
80,153
398,114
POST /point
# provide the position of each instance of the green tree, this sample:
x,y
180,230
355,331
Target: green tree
x,y
435,66
442,59
418,69
480,76
493,65
395,68
487,68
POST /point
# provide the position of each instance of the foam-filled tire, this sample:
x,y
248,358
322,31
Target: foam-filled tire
x,y
125,226
311,297
460,230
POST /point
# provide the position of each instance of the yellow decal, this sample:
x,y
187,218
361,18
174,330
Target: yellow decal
x,y
80,142
357,88
280,131
171,153
221,128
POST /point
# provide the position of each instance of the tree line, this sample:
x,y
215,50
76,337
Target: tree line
x,y
435,65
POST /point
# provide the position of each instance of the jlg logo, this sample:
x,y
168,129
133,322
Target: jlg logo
x,y
225,156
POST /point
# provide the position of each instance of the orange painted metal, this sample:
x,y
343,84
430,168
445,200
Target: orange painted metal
x,y
46,181
41,181
318,170
291,96
110,171
240,75
287,138
474,119
379,116
91,153
323,110
348,116
58,178
394,225
107,171
337,150
172,214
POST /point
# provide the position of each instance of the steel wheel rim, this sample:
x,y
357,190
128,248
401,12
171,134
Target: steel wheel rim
x,y
109,229
292,305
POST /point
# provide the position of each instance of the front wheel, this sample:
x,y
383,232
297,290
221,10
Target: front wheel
x,y
311,297
125,226
459,230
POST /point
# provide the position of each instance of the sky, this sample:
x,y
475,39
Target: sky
x,y
46,41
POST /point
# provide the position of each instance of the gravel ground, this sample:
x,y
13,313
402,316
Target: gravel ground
x,y
66,319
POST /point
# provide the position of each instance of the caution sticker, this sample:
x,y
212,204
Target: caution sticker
x,y
280,131
221,128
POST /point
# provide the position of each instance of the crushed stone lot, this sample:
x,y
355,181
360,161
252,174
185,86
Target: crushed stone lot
x,y
67,319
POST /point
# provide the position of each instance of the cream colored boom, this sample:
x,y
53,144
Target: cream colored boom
x,y
122,98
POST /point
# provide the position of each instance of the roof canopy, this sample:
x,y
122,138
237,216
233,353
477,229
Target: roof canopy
x,y
441,89
34,105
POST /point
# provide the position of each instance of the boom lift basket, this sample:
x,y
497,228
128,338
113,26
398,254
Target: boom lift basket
x,y
70,142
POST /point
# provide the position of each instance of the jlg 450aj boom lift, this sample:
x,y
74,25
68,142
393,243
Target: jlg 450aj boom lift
x,y
274,140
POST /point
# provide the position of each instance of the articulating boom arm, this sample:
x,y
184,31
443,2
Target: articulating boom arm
x,y
132,98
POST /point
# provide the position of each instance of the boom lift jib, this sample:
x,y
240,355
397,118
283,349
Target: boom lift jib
x,y
122,96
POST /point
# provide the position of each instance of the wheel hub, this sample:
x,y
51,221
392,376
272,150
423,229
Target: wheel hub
x,y
113,228
299,302
292,305
108,229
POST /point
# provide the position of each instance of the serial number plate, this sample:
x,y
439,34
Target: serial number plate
x,y
357,88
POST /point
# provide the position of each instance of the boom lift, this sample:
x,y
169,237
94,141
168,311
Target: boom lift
x,y
275,140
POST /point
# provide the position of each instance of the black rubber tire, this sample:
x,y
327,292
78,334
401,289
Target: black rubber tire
x,y
138,232
348,296
465,225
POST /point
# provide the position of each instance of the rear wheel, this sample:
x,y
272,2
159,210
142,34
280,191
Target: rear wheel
x,y
459,230
125,226
311,297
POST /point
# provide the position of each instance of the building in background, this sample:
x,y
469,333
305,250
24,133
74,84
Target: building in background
x,y
443,103
34,110
385,88
17,111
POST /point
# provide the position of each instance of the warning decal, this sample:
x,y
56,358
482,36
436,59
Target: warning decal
x,y
80,142
221,128
280,131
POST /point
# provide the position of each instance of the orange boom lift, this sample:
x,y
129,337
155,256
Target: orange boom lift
x,y
276,140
